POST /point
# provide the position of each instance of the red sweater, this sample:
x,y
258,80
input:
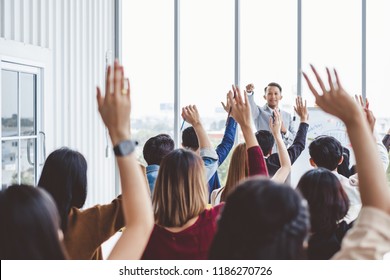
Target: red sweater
x,y
256,162
191,243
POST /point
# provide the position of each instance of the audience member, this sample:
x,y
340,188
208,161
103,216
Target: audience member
x,y
343,167
327,152
184,227
64,177
369,238
238,168
155,149
328,205
30,225
195,139
386,140
30,217
261,219
190,140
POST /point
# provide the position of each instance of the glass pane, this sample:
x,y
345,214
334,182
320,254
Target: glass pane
x,y
331,36
207,62
27,103
269,48
9,162
148,61
378,61
9,103
27,159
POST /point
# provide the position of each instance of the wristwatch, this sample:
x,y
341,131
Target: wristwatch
x,y
124,148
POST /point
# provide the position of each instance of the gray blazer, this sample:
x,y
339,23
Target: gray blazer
x,y
261,117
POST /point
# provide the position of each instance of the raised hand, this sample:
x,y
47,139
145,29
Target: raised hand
x,y
115,106
301,109
114,109
250,87
368,113
363,103
372,179
190,114
227,106
275,124
335,100
240,107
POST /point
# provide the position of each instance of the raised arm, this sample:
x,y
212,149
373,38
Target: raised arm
x,y
254,109
227,142
372,180
241,112
114,109
299,143
191,115
210,158
285,164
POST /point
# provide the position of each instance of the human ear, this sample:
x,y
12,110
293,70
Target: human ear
x,y
312,163
341,160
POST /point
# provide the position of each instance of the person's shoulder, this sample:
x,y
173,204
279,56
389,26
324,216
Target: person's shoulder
x,y
214,211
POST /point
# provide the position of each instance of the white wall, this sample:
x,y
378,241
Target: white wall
x,y
70,39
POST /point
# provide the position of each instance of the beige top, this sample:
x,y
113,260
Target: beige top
x,y
369,238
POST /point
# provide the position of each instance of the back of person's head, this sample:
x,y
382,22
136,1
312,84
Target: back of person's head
x,y
326,151
261,220
30,225
266,141
328,202
238,170
273,84
343,168
189,139
157,147
181,191
64,176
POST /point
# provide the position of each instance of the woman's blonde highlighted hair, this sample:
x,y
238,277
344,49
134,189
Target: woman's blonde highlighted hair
x,y
238,170
181,191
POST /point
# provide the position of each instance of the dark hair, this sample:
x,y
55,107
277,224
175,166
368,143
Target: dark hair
x,y
157,147
64,176
273,85
190,139
266,141
328,202
261,220
29,225
343,168
326,151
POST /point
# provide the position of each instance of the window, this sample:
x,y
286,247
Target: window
x,y
207,63
331,36
269,47
147,36
20,86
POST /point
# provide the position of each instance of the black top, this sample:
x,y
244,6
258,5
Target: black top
x,y
322,246
294,151
386,141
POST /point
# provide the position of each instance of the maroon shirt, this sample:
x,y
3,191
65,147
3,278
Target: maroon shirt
x,y
191,243
256,162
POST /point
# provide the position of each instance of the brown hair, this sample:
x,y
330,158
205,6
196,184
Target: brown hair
x,y
238,170
181,191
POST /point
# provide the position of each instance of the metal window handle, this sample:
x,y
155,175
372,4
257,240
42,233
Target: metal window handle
x,y
43,147
28,152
